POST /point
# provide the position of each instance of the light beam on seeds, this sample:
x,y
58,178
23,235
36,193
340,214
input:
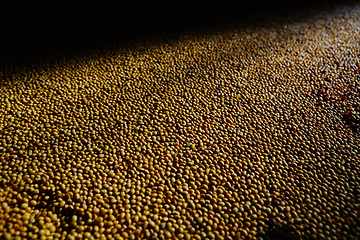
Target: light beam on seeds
x,y
251,132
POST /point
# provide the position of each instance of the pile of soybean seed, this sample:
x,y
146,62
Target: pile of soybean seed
x,y
242,132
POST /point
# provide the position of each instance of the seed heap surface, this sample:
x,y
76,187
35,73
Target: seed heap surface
x,y
248,132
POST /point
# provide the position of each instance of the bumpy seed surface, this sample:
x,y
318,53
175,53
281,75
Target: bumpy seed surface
x,y
245,131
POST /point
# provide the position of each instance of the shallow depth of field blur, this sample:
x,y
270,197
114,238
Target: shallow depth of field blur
x,y
245,128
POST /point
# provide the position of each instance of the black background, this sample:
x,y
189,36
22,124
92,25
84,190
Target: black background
x,y
30,25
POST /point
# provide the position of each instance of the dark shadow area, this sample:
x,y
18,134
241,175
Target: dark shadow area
x,y
352,121
39,31
279,232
